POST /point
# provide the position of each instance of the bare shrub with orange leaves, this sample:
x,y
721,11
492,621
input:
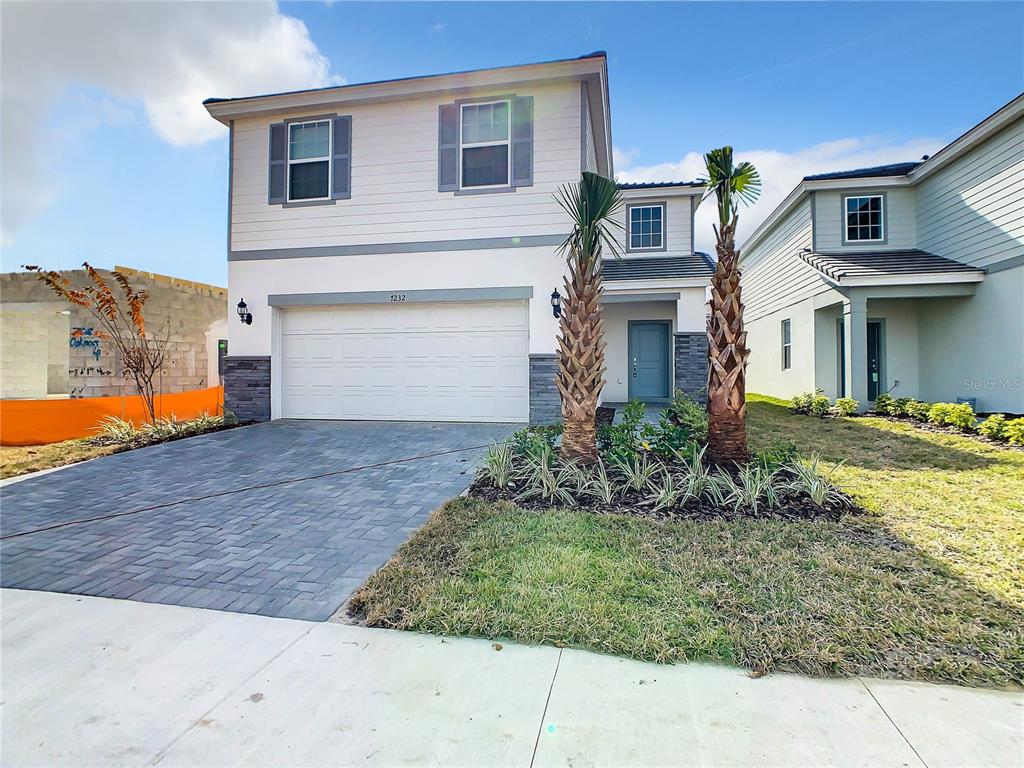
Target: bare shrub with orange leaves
x,y
142,354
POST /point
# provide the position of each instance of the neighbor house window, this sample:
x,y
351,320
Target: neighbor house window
x,y
647,227
865,219
309,160
787,345
485,144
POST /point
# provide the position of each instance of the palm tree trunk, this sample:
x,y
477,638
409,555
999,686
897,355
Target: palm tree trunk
x,y
581,356
727,352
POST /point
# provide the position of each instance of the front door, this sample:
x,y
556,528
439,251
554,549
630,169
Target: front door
x,y
876,384
649,369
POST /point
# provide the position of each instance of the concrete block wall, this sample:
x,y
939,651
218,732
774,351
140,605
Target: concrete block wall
x,y
690,351
23,352
90,362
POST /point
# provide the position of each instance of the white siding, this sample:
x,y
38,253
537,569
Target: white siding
x,y
774,276
589,147
972,210
765,374
678,221
900,221
394,181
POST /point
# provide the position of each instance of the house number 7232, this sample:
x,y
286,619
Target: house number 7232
x,y
398,297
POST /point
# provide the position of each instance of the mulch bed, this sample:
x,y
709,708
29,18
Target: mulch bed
x,y
794,507
944,430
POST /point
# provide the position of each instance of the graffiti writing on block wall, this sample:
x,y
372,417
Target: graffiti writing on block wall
x,y
87,338
90,371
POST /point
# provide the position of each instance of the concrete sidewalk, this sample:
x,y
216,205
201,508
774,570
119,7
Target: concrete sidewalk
x,y
91,680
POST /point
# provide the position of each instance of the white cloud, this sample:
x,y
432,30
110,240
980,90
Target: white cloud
x,y
167,57
437,28
780,172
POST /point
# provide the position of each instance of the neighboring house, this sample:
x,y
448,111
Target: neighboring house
x,y
49,348
905,279
396,245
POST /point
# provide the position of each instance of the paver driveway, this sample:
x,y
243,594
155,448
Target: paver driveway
x,y
280,519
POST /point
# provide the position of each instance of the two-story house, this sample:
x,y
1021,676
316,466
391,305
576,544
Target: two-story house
x,y
395,246
905,279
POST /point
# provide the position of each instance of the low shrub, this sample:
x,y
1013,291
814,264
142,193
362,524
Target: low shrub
x,y
993,426
779,454
812,403
115,431
959,415
1013,432
885,405
808,479
845,406
497,464
918,410
689,414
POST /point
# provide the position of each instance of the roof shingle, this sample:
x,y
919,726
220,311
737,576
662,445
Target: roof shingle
x,y
879,264
657,267
893,169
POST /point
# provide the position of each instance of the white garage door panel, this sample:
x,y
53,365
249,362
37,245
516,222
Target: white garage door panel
x,y
421,362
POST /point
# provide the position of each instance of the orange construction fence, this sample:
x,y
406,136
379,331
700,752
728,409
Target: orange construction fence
x,y
34,422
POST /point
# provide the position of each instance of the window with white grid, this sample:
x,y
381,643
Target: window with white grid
x,y
865,220
647,227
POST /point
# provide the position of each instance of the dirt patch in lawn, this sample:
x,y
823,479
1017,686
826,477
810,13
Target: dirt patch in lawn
x,y
16,460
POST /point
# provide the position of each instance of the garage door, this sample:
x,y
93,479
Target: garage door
x,y
465,361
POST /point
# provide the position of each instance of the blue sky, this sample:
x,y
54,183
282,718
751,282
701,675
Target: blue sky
x,y
117,164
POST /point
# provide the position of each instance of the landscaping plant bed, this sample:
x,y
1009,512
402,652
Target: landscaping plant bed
x,y
792,505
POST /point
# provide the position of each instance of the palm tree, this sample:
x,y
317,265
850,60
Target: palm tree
x,y
592,204
727,340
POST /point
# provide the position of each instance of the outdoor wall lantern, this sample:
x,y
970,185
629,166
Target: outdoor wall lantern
x,y
243,312
556,303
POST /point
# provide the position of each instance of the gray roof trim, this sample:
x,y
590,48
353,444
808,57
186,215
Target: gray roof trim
x,y
656,267
220,100
658,184
419,296
881,264
425,246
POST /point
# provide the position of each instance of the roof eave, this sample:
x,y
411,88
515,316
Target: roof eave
x,y
592,67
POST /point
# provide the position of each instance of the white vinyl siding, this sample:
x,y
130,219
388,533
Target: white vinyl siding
x,y
589,147
972,210
394,181
830,220
774,276
676,224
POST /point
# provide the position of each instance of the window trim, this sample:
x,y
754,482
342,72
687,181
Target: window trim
x,y
786,328
507,184
288,199
664,226
883,219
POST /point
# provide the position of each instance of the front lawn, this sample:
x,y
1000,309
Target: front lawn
x,y
930,585
18,460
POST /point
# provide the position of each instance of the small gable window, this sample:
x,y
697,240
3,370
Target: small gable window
x,y
865,219
485,144
647,227
309,160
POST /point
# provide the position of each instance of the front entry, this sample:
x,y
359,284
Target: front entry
x,y
649,356
875,344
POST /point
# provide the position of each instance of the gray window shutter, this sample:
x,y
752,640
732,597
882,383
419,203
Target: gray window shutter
x,y
522,141
448,148
278,163
341,157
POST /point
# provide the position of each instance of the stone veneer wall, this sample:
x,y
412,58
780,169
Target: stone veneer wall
x,y
545,402
690,351
62,353
247,387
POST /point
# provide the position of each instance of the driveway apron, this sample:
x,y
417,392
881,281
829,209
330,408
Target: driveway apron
x,y
280,519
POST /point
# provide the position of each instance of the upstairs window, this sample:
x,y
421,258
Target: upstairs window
x,y
485,144
309,160
865,222
787,345
647,227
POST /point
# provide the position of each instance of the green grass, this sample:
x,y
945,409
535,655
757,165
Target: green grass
x,y
929,586
21,460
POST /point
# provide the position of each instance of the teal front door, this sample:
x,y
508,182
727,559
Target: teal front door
x,y
649,369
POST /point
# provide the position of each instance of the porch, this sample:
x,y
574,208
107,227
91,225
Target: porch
x,y
881,330
654,311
